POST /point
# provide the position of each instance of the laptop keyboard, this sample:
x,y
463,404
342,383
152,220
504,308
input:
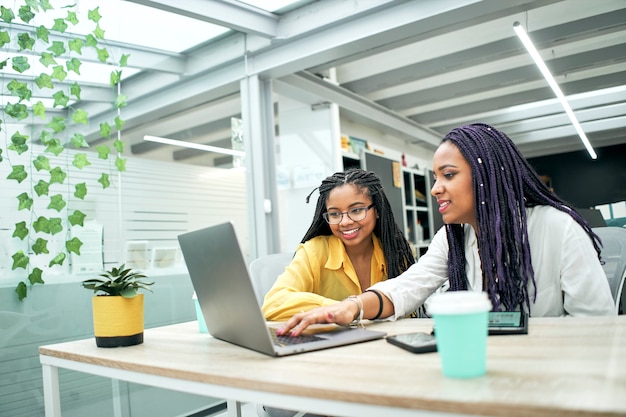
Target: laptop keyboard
x,y
290,340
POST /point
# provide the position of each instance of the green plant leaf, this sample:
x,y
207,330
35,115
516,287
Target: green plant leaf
x,y
41,163
35,277
47,59
41,225
80,191
17,173
39,110
116,77
54,147
120,101
81,161
17,111
60,99
20,64
21,290
6,14
0,153
118,145
25,41
57,203
26,14
41,188
59,25
104,180
77,218
57,124
46,136
80,116
75,90
4,38
94,15
45,5
73,245
119,123
76,45
19,89
44,81
20,260
103,54
24,202
55,225
71,17
18,143
43,33
21,231
120,163
57,260
59,73
98,32
57,48
124,60
78,140
40,246
57,175
91,41
105,130
103,151
73,65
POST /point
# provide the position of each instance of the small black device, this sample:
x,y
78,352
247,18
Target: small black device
x,y
415,342
508,322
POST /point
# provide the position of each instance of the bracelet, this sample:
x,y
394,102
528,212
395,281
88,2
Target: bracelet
x,y
380,303
359,316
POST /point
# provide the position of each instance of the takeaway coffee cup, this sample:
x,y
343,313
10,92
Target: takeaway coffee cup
x,y
461,320
201,323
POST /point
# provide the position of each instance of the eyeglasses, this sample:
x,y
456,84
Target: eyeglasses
x,y
356,214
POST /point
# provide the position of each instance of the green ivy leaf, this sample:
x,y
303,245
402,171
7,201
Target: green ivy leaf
x,y
41,163
54,147
21,290
41,188
60,99
39,110
57,203
44,81
4,38
103,151
19,89
45,5
104,180
43,33
35,276
116,77
0,155
57,47
120,101
71,17
57,260
75,90
20,260
80,191
41,225
59,25
6,14
45,137
119,123
26,14
18,173
25,41
98,32
80,116
55,225
105,130
73,245
20,64
94,15
47,59
78,140
91,41
73,65
57,124
40,246
81,161
77,218
17,111
120,163
59,73
76,45
57,175
119,145
124,60
21,231
24,202
103,54
18,143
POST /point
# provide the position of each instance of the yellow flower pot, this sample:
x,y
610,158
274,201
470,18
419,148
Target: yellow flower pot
x,y
118,321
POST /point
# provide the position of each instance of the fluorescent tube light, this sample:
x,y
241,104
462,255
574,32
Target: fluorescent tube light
x,y
521,33
199,146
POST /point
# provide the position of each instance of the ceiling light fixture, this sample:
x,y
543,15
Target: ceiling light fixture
x,y
199,146
521,33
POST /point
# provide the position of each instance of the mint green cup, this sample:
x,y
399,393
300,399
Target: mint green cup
x,y
201,323
461,320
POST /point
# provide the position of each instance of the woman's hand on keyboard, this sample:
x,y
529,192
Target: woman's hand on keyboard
x,y
342,313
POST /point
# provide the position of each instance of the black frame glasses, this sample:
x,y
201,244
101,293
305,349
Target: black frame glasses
x,y
350,213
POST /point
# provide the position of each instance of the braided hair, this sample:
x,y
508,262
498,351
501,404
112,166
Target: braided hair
x,y
395,247
504,184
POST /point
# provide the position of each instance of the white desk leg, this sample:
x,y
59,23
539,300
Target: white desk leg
x,y
117,398
233,408
51,396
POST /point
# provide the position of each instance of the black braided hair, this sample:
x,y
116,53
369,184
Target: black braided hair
x,y
504,183
395,246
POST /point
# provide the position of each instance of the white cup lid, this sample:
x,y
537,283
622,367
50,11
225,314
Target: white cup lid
x,y
458,302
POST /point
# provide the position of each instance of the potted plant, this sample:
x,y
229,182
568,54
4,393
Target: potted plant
x,y
118,306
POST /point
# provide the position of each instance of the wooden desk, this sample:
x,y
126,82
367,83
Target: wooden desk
x,y
563,367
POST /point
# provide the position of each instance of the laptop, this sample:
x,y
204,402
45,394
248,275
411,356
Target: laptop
x,y
230,308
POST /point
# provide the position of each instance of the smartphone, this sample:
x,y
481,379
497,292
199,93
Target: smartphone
x,y
508,322
414,342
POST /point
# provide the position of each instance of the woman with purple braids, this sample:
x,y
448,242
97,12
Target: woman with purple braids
x,y
505,233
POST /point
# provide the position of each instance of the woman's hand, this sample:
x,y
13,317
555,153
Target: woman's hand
x,y
341,313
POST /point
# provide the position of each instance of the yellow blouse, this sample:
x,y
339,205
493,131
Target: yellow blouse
x,y
320,274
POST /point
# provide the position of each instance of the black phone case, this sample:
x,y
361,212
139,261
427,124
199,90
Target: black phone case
x,y
425,348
